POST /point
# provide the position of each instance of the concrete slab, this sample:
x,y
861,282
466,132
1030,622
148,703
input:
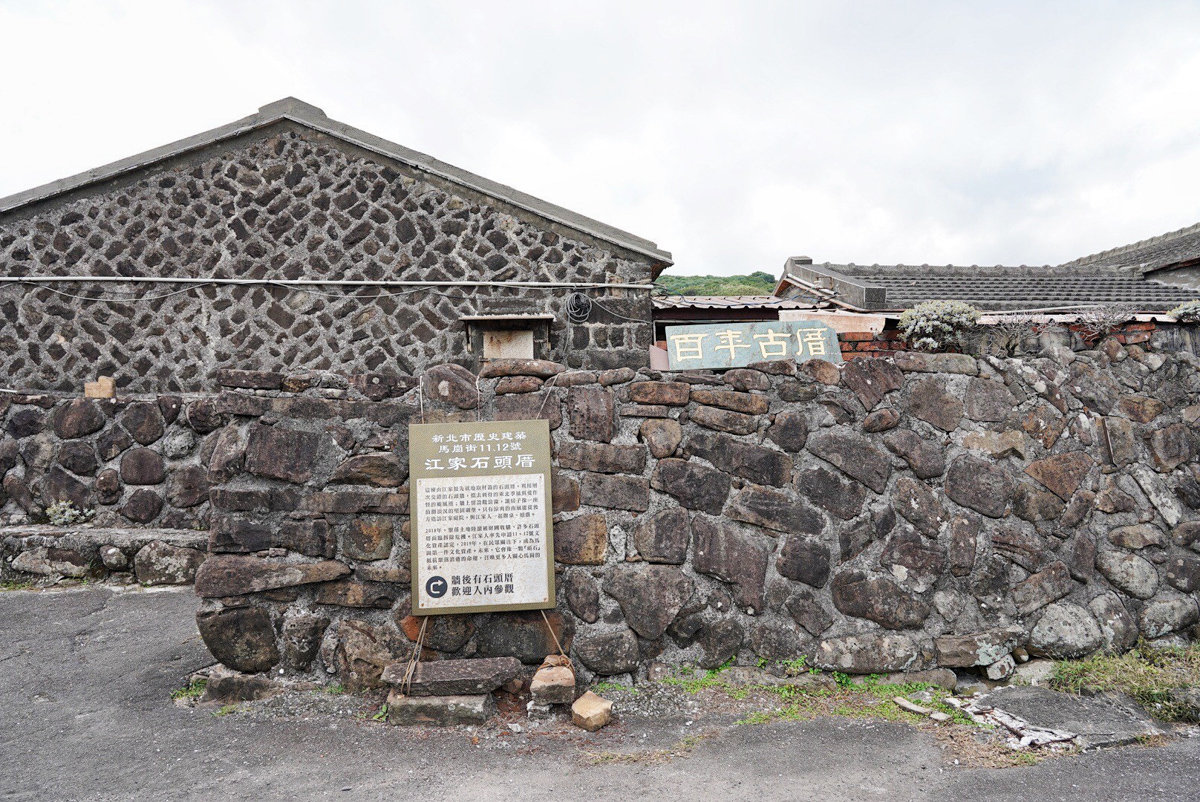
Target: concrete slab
x,y
1110,719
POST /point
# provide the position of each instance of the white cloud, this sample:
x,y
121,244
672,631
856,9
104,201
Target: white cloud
x,y
733,134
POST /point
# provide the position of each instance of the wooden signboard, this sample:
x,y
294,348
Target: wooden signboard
x,y
481,526
734,345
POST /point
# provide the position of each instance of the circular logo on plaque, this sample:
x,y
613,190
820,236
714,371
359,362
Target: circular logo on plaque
x,y
436,587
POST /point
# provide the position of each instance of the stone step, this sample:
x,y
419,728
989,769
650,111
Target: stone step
x,y
439,710
455,677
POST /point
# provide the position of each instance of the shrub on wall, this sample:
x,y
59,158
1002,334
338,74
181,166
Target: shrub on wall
x,y
1188,312
938,325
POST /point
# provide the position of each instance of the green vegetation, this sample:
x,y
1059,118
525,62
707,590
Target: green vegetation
x,y
64,513
335,689
609,687
1148,674
17,584
226,710
191,691
938,325
1188,312
759,283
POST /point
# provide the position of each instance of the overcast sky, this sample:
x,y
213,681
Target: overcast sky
x,y
732,134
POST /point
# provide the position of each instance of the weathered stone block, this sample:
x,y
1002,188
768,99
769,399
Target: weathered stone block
x,y
732,556
51,561
774,510
278,453
746,379
378,470
930,402
852,454
444,633
582,593
77,418
789,430
745,403
523,635
188,487
141,466
591,411
870,653
693,485
227,575
988,401
723,420
1065,631
1138,536
1183,573
804,560
979,485
1046,586
661,435
616,492
916,503
62,486
879,600
1128,572
601,457
977,648
664,537
451,384
671,394
871,380
908,555
541,368
650,596
1170,447
1062,473
591,712
756,463
720,642
553,685
925,458
806,611
581,541
1117,627
831,491
241,638
142,506
917,362
454,677
439,711
159,563
368,539
351,593
610,653
1164,616
301,639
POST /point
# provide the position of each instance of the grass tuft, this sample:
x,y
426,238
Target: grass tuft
x,y
1149,674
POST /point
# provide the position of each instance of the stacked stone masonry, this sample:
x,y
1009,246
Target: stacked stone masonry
x,y
290,204
890,514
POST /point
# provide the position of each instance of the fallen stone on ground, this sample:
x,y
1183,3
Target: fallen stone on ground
x,y
591,712
439,710
1107,719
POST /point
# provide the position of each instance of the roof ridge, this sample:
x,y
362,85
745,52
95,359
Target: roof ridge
x,y
310,116
1133,246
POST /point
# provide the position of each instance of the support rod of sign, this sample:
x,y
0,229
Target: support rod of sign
x,y
318,282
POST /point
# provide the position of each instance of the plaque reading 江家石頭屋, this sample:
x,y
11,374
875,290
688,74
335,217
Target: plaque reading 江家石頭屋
x,y
481,527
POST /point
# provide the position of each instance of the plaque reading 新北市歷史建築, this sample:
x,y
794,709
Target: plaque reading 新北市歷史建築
x,y
481,527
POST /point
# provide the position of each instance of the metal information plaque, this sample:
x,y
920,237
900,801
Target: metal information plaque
x,y
481,525
735,345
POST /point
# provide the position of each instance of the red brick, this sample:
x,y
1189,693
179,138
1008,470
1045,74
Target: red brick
x,y
855,336
1140,326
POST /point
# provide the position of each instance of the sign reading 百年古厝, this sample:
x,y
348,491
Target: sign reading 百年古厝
x,y
481,528
735,345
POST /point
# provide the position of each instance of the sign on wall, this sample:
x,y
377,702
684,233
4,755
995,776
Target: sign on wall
x,y
481,527
734,345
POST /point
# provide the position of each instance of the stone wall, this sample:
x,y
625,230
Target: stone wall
x,y
891,514
895,514
290,204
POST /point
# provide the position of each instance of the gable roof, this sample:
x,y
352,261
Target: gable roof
x,y
1174,249
992,289
311,117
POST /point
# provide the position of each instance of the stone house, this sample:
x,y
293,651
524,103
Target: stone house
x,y
286,241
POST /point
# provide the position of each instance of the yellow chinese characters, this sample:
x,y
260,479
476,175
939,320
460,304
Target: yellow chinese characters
x,y
688,346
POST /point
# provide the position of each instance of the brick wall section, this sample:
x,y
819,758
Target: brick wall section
x,y
899,513
867,344
292,206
